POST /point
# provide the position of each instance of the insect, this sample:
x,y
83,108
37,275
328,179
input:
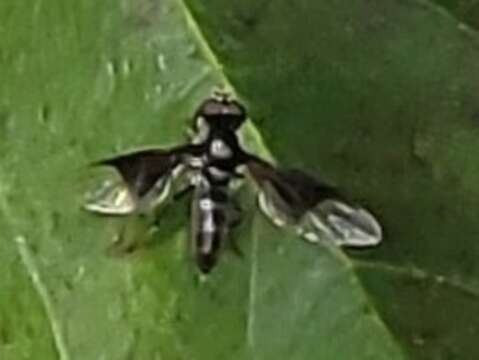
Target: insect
x,y
208,166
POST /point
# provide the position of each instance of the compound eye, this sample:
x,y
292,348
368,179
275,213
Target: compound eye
x,y
234,109
225,113
213,107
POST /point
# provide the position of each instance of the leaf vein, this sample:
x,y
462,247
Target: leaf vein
x,y
419,274
28,261
39,286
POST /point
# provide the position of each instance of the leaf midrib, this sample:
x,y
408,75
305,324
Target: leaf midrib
x,y
444,11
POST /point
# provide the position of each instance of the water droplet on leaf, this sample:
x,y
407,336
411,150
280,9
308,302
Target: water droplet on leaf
x,y
127,67
160,62
112,68
44,114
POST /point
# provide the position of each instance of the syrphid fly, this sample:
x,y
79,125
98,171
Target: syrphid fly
x,y
208,165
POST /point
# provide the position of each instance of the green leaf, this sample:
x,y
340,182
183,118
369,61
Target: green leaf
x,y
380,95
466,11
386,97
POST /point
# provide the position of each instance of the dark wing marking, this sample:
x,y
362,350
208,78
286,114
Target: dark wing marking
x,y
296,191
290,197
141,169
146,176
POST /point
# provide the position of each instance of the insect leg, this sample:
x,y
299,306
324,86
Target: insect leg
x,y
234,213
234,219
134,234
183,192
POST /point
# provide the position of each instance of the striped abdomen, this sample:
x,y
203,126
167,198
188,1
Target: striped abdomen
x,y
209,223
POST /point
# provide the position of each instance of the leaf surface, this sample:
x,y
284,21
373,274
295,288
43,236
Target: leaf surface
x,y
381,98
380,95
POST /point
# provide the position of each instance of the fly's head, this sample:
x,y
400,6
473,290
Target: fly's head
x,y
219,113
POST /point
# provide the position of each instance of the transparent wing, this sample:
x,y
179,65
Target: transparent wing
x,y
146,182
111,198
313,209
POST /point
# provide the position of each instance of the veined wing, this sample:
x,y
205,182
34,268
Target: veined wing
x,y
315,210
146,181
